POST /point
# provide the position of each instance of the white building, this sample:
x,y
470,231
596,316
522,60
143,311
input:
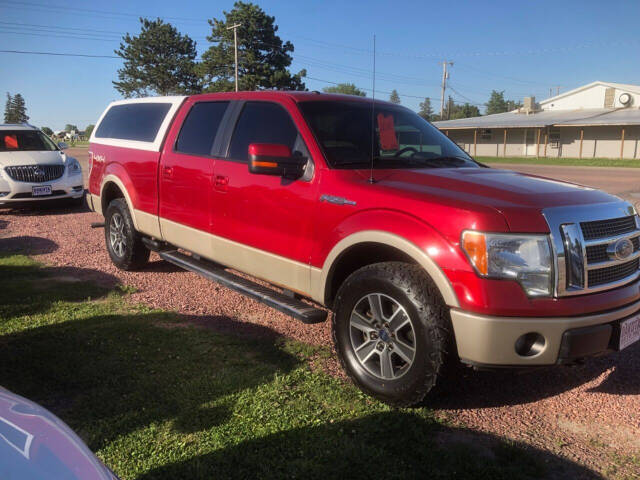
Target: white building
x,y
598,120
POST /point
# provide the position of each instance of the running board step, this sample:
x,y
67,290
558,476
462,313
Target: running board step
x,y
286,304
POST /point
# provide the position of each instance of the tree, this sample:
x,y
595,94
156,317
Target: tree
x,y
69,127
498,104
47,131
159,60
453,111
15,110
346,89
8,114
426,111
394,97
263,57
88,130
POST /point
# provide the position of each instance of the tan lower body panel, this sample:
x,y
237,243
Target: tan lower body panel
x,y
252,261
491,340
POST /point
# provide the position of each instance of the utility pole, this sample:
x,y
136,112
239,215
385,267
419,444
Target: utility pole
x,y
445,76
235,43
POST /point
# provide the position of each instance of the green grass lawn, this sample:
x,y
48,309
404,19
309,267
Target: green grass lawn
x,y
580,162
160,398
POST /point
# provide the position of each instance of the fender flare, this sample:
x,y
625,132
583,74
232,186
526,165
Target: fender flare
x,y
379,236
114,179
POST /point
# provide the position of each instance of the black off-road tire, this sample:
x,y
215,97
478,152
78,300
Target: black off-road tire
x,y
134,255
413,289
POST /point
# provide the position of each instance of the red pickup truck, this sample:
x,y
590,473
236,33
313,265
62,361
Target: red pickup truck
x,y
425,257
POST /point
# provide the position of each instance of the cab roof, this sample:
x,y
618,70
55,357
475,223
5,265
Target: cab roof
x,y
296,96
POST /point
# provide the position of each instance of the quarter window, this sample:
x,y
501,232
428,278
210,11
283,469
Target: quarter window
x,y
199,129
262,122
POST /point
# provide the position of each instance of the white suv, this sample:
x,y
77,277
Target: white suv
x,y
33,168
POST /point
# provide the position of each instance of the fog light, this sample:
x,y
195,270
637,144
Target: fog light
x,y
530,344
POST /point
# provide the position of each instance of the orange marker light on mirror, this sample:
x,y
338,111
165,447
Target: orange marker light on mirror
x,y
475,244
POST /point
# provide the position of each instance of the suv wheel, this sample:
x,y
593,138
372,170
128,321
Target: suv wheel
x,y
391,330
124,244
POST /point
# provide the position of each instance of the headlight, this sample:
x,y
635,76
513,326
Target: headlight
x,y
73,166
524,258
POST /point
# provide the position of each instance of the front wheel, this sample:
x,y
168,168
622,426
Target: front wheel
x,y
392,332
124,243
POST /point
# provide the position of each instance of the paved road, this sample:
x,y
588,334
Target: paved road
x,y
624,182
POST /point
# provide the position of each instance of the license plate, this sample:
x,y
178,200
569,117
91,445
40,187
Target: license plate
x,y
629,331
40,191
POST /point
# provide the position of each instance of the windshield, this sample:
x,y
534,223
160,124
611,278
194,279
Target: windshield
x,y
25,140
402,138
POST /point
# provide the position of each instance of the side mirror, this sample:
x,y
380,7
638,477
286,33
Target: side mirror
x,y
274,159
62,145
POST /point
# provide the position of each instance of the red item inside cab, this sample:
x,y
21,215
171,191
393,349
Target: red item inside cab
x,y
388,139
10,142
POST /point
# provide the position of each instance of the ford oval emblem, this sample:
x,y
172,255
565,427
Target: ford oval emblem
x,y
620,250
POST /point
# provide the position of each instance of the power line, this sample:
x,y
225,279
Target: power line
x,y
25,52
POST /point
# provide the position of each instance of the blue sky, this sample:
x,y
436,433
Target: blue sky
x,y
522,47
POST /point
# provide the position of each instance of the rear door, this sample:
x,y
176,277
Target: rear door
x,y
186,169
269,214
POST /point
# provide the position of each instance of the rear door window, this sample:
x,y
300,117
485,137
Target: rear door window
x,y
199,129
133,121
262,122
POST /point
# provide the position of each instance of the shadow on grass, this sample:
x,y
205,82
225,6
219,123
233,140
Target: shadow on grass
x,y
112,374
395,445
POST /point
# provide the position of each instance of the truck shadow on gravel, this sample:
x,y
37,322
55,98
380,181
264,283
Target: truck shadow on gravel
x,y
383,445
469,389
28,245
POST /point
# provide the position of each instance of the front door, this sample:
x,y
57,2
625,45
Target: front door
x,y
266,219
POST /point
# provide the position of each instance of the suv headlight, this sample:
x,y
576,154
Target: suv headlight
x,y
73,166
524,258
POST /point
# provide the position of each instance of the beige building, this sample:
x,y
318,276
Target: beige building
x,y
598,120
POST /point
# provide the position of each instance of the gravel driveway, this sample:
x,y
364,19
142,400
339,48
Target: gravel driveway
x,y
589,413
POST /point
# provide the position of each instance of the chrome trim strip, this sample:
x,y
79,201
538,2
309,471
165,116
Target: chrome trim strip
x,y
607,240
613,263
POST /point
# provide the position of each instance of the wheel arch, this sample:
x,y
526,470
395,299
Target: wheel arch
x,y
113,187
377,246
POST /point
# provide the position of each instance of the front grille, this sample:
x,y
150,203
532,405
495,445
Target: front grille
x,y
602,276
598,253
35,173
608,228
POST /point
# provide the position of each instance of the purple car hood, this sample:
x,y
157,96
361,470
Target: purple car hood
x,y
35,444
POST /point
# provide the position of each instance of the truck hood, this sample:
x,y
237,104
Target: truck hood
x,y
8,159
518,197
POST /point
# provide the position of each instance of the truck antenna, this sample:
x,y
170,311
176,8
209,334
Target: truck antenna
x,y
373,118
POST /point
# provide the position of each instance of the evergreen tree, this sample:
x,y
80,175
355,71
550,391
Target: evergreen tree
x,y
346,89
8,109
498,104
88,130
394,97
17,109
426,111
263,58
47,131
159,60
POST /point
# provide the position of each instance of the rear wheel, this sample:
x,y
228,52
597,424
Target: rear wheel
x,y
391,331
124,243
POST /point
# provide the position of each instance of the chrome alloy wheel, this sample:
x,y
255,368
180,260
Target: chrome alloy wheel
x,y
117,235
382,336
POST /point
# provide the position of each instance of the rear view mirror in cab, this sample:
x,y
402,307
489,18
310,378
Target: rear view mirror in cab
x,y
274,159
